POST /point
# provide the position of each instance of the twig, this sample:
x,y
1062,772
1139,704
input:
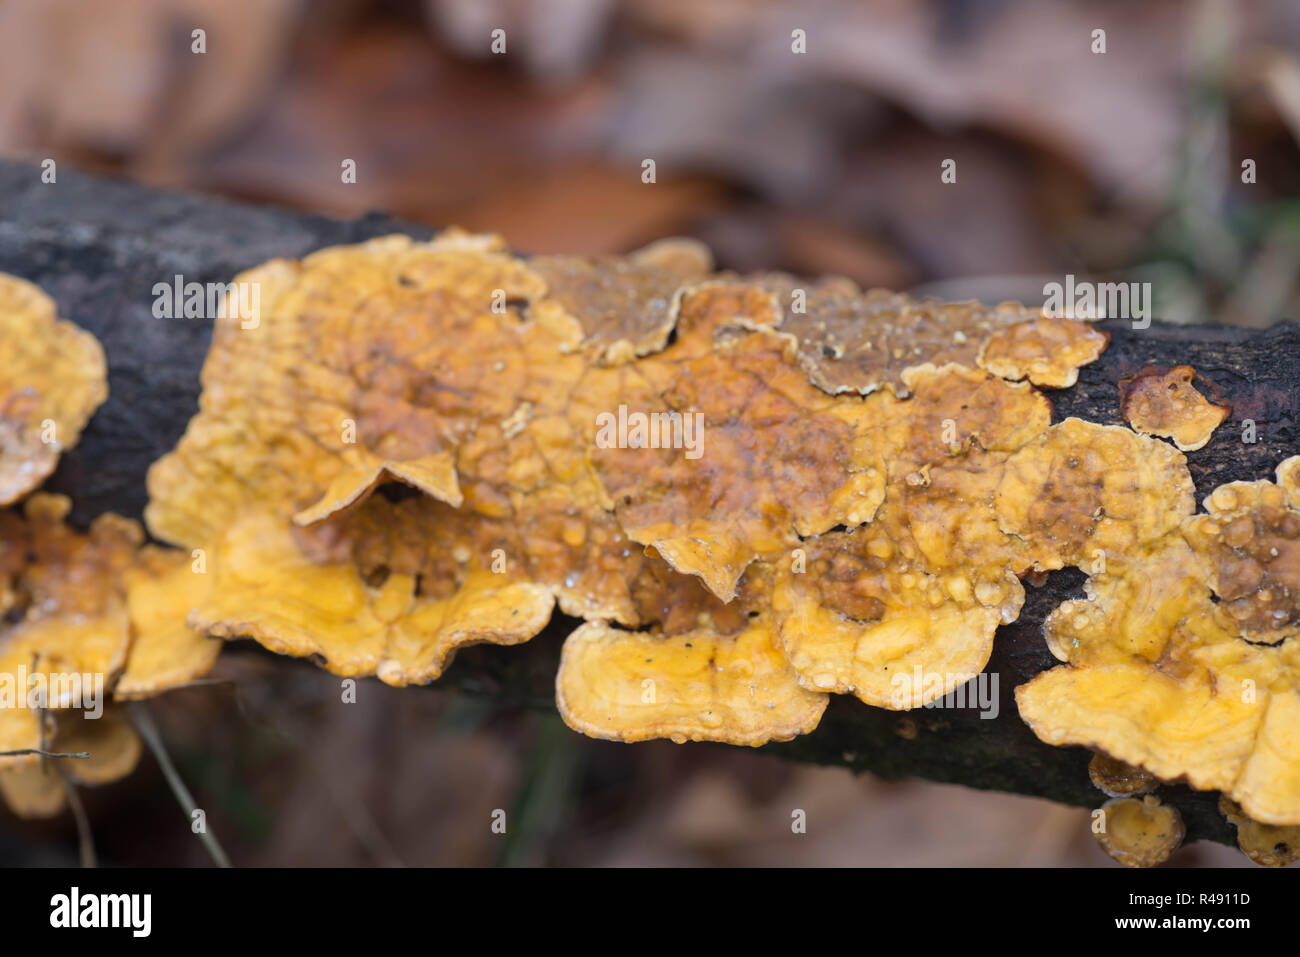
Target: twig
x,y
85,839
355,814
148,731
43,753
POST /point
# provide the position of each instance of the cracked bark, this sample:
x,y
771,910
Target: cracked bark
x,y
98,247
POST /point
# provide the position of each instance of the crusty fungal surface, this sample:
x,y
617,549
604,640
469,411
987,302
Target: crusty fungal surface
x,y
1266,844
1118,779
68,615
1165,403
693,686
162,587
107,750
52,378
1140,832
787,489
1176,660
849,341
1047,351
89,617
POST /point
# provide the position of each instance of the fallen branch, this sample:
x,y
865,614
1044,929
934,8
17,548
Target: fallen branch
x,y
98,247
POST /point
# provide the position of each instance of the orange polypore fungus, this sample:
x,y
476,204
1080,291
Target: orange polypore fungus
x,y
1081,493
867,611
783,458
1166,404
1118,779
1140,832
375,611
753,491
108,750
1161,676
1047,351
89,617
52,378
1265,844
162,587
853,342
692,686
69,617
1249,548
632,439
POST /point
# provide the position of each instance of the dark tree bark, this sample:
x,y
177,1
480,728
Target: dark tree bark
x,y
98,247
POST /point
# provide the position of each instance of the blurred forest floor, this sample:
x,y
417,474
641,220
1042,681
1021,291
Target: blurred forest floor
x,y
1125,165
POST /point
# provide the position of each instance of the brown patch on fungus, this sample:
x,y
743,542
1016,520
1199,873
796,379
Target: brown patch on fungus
x,y
1165,403
620,307
1081,492
1047,351
955,409
52,378
1140,832
848,341
778,457
69,615
1265,844
1117,779
1249,545
1160,676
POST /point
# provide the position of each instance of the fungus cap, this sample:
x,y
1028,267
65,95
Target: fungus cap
x,y
1048,351
52,378
73,618
1165,403
1266,844
1140,832
1117,779
698,685
267,588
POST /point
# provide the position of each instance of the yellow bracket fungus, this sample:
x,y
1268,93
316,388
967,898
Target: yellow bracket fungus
x,y
1168,405
752,491
632,439
1175,660
1047,351
1118,779
90,618
693,686
1265,844
52,378
1140,832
